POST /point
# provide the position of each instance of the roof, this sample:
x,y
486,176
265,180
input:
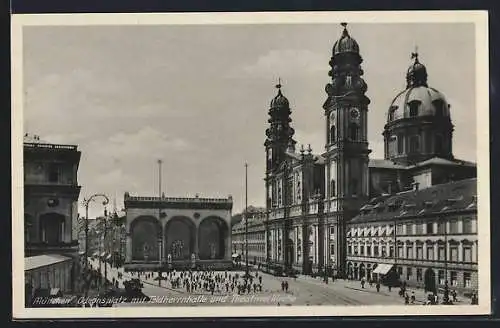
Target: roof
x,y
439,199
444,161
385,164
35,262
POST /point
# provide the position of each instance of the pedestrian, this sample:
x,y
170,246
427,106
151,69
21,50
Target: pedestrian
x,y
260,279
389,287
378,286
283,286
412,297
407,299
362,283
454,295
286,286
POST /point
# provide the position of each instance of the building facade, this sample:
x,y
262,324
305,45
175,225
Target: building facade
x,y
312,199
51,194
256,237
426,237
177,233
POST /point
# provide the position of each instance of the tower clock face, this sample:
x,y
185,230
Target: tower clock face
x,y
354,113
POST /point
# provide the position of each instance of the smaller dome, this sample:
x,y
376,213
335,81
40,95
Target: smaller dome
x,y
279,100
416,102
345,43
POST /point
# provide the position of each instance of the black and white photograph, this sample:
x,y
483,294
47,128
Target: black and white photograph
x,y
279,164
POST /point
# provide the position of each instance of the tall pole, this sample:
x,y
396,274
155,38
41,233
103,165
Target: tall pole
x,y
160,237
246,218
86,235
105,248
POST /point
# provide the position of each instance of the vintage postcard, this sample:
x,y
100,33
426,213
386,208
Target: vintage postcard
x,y
250,164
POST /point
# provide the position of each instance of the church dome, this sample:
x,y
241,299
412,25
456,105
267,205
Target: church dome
x,y
345,43
418,99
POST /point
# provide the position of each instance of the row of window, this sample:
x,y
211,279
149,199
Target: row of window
x,y
452,226
397,144
453,278
419,252
414,109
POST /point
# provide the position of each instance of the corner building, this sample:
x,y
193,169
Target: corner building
x,y
313,199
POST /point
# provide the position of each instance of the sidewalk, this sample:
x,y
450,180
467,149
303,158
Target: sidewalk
x,y
420,294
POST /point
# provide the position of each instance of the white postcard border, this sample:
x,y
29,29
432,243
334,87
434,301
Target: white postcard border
x,y
479,18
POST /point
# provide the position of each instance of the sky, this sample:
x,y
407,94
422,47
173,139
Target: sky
x,y
197,96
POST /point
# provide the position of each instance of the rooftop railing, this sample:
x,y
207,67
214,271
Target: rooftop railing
x,y
179,199
49,146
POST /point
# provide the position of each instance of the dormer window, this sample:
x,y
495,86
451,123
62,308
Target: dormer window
x,y
414,106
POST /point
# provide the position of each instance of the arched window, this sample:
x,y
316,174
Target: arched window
x,y
414,106
353,131
400,144
332,134
332,188
438,144
392,113
438,107
414,144
392,145
354,187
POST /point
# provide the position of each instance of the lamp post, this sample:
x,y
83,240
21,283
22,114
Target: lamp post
x,y
246,220
86,202
160,237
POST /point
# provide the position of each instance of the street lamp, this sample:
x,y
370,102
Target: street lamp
x,y
246,220
86,202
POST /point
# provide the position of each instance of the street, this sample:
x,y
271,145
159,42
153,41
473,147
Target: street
x,y
303,290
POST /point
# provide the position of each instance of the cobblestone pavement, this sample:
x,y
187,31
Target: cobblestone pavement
x,y
303,290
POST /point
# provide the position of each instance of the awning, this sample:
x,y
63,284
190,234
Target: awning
x,y
103,254
95,254
108,257
55,291
235,255
383,268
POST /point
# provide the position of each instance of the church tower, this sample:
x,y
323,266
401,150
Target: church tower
x,y
279,137
346,155
279,140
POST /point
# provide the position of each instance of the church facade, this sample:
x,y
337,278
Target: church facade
x,y
312,198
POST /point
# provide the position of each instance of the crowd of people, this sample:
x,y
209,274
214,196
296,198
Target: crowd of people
x,y
210,282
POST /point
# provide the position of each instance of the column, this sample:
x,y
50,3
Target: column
x,y
228,243
196,243
128,257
